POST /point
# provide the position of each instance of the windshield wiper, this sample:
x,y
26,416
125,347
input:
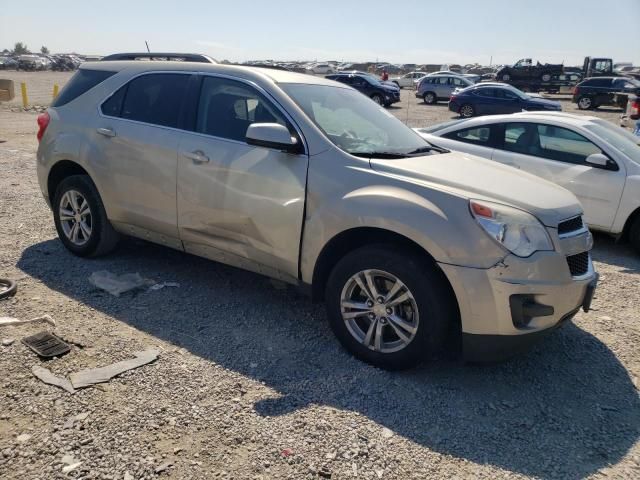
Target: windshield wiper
x,y
430,148
379,154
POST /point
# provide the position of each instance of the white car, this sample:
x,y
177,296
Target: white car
x,y
596,160
407,80
320,68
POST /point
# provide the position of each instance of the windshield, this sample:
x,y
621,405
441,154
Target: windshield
x,y
617,137
355,123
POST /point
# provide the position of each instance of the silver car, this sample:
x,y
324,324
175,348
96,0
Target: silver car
x,y
433,88
306,180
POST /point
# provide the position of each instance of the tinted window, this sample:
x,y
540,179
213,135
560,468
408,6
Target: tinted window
x,y
548,141
485,92
113,106
226,109
598,82
155,98
478,136
502,93
82,81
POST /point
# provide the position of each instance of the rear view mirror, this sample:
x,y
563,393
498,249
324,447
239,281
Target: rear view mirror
x,y
272,135
599,160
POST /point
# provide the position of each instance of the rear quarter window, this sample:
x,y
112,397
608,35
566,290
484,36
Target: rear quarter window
x,y
82,81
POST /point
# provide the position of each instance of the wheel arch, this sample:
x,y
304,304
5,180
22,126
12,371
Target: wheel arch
x,y
58,172
631,219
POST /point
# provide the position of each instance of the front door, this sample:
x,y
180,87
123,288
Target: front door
x,y
558,155
237,203
135,152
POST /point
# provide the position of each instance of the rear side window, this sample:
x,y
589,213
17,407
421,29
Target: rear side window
x,y
477,136
82,81
598,82
154,98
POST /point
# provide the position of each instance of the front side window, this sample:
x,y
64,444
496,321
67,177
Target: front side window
x,y
353,122
476,136
548,141
226,109
153,98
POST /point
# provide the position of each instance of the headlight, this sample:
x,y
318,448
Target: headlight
x,y
516,230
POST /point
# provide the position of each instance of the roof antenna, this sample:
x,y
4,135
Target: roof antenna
x,y
147,44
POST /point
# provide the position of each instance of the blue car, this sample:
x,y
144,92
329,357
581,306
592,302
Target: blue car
x,y
496,98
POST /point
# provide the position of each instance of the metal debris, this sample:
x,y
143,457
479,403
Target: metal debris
x,y
47,377
118,284
85,378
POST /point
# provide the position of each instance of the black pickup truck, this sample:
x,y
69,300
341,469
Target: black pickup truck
x,y
525,70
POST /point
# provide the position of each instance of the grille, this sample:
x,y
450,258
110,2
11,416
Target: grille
x,y
578,264
570,225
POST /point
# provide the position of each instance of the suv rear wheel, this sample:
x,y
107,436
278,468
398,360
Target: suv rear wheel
x,y
387,308
80,218
634,233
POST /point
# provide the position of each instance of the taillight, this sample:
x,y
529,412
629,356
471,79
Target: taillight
x,y
635,110
452,98
575,90
43,123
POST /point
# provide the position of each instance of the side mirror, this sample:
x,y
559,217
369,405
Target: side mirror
x,y
599,160
272,135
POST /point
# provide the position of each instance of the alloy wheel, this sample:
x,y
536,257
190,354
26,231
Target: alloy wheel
x,y
379,311
75,217
584,103
466,111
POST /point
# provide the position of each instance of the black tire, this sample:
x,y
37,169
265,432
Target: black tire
x,y
103,237
505,77
545,77
430,98
634,234
586,103
467,111
378,99
428,286
8,288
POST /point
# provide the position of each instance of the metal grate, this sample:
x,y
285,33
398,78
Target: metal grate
x,y
570,225
46,345
578,264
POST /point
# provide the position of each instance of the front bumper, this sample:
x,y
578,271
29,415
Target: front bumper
x,y
492,325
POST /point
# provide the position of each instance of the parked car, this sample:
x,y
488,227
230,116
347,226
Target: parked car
x,y
303,179
631,117
495,98
407,79
597,91
524,69
381,93
320,68
596,160
8,63
30,62
440,87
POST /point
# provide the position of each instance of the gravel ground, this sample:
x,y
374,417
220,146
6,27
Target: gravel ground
x,y
251,384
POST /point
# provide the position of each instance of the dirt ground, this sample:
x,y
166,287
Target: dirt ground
x,y
251,384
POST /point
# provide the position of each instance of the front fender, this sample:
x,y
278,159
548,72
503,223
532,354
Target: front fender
x,y
438,221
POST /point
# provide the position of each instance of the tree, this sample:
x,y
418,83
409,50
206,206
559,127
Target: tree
x,y
20,49
44,50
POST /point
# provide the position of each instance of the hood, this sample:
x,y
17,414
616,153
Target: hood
x,y
543,102
389,85
476,177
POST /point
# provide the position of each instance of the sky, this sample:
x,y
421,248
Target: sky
x,y
404,31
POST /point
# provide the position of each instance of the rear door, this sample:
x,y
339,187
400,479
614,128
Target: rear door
x,y
135,154
238,203
558,154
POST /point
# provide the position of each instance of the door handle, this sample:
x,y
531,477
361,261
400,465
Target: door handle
x,y
197,156
107,132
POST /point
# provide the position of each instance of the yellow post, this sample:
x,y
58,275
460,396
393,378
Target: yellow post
x,y
25,99
55,90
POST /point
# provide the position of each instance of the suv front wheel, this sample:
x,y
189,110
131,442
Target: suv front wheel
x,y
80,218
387,308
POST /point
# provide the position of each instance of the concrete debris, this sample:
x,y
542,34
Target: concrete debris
x,y
85,378
70,468
163,467
118,284
25,437
7,341
47,377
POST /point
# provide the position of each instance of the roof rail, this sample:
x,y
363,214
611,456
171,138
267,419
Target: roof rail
x,y
179,57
